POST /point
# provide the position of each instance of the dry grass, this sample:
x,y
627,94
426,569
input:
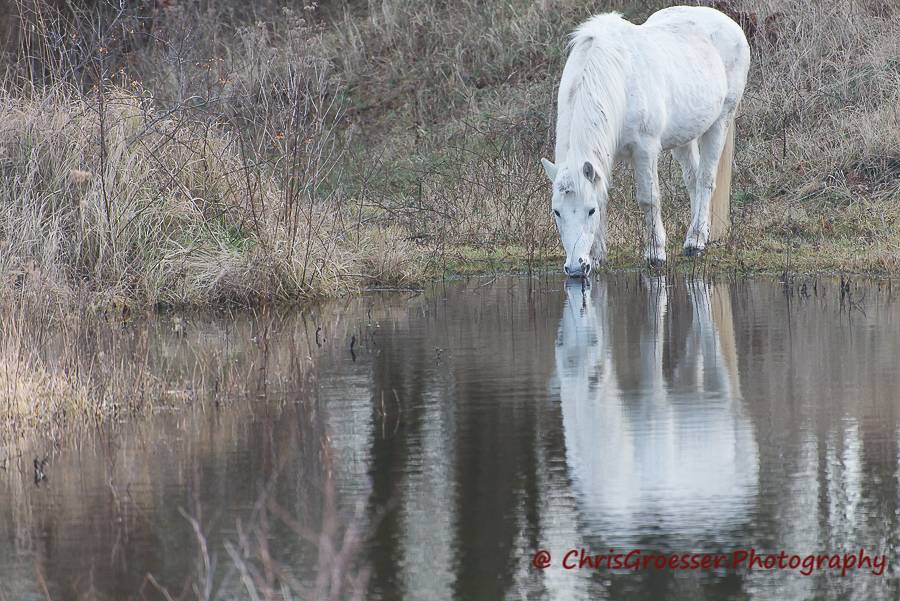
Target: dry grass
x,y
235,196
243,154
166,215
817,169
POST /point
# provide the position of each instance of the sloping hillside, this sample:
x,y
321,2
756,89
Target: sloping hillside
x,y
173,152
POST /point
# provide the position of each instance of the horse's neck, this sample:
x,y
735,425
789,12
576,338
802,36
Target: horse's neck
x,y
596,110
603,159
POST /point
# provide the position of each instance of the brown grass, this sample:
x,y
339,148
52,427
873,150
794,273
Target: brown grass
x,y
816,175
244,154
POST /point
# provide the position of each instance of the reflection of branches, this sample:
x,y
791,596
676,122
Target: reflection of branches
x,y
335,562
257,572
206,573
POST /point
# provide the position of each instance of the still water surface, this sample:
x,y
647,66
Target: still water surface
x,y
462,429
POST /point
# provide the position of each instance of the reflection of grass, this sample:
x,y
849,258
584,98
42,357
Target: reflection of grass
x,y
65,367
49,376
31,393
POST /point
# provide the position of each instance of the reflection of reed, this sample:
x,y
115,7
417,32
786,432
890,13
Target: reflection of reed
x,y
468,465
110,512
61,370
828,399
256,568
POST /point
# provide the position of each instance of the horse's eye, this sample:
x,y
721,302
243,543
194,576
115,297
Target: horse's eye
x,y
591,212
557,212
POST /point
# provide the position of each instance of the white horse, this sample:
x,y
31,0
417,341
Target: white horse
x,y
629,92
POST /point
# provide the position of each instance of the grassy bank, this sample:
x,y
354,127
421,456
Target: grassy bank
x,y
172,154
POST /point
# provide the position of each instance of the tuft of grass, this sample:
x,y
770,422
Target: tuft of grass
x,y
165,214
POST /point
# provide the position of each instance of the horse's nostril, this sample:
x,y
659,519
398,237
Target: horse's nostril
x,y
580,261
587,269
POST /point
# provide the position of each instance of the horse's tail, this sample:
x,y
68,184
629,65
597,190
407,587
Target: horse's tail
x,y
720,203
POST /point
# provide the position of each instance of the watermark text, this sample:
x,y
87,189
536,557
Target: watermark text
x,y
739,559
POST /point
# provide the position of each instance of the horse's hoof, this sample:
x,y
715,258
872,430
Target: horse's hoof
x,y
656,263
693,251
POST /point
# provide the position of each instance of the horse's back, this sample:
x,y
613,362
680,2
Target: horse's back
x,y
668,79
724,34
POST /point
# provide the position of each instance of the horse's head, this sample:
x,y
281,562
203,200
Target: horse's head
x,y
579,207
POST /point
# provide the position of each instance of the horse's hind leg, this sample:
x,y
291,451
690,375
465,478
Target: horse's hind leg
x,y
688,156
647,188
710,148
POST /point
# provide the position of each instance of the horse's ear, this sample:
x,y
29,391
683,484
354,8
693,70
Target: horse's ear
x,y
549,169
589,172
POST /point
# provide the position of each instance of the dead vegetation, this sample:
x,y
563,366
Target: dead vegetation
x,y
160,154
166,154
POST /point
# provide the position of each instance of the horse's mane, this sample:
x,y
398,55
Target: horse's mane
x,y
596,90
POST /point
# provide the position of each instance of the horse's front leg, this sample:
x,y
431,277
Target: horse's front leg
x,y
647,189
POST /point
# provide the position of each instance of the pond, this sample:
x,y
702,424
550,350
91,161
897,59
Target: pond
x,y
428,445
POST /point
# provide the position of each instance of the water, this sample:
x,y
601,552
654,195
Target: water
x,y
470,426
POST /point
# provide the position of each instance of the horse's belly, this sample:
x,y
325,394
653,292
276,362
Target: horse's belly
x,y
688,125
696,98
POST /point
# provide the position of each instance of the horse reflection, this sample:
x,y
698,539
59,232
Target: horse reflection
x,y
656,439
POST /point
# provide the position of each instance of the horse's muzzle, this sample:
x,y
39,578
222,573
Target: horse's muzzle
x,y
582,271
